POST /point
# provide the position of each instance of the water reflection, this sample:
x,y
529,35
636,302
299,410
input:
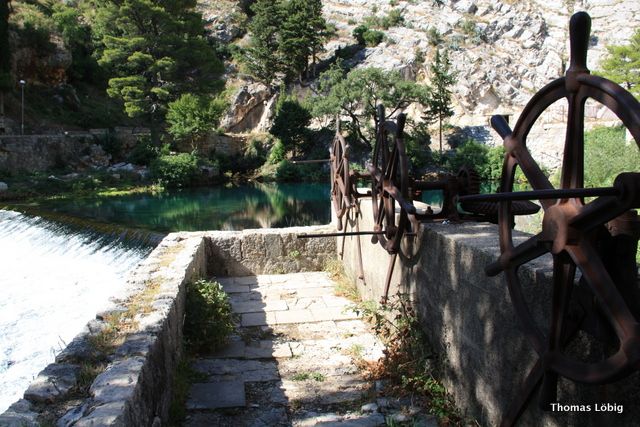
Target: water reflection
x,y
212,208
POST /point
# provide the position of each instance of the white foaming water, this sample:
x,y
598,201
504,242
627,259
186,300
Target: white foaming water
x,y
53,281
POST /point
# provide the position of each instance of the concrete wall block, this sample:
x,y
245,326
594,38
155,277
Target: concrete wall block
x,y
470,320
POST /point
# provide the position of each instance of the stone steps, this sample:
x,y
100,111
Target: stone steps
x,y
291,361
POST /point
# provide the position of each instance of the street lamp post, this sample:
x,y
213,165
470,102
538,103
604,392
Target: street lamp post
x,y
22,83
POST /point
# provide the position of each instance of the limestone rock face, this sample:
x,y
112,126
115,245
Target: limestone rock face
x,y
248,107
225,18
502,52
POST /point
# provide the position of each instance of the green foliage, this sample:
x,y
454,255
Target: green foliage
x,y
417,148
471,31
208,320
302,35
285,36
358,33
357,93
373,38
261,57
607,155
35,29
495,160
77,36
154,50
277,154
439,103
408,364
190,117
144,152
290,124
287,172
622,64
366,36
178,170
434,36
471,154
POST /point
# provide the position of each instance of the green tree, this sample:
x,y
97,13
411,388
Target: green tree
x,y
5,53
302,35
77,36
156,50
190,117
439,105
357,93
622,65
290,124
262,57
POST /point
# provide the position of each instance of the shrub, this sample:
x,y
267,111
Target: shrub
x,y
191,116
495,160
277,154
290,124
471,154
373,37
287,171
208,320
144,152
175,170
607,154
358,33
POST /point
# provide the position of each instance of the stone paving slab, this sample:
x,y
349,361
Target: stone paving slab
x,y
293,354
214,395
233,369
258,306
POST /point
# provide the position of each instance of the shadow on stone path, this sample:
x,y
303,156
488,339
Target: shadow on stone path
x,y
290,362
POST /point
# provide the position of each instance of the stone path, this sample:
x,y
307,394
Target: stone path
x,y
291,360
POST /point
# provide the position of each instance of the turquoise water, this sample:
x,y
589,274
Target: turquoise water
x,y
210,208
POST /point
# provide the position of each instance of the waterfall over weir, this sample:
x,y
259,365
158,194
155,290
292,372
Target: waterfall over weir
x,y
54,277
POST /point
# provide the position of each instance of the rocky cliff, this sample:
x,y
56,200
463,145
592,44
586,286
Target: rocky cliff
x,y
502,51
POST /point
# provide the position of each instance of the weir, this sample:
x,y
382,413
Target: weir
x,y
79,267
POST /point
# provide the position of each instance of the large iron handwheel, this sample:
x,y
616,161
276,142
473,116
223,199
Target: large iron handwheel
x,y
390,184
570,226
340,185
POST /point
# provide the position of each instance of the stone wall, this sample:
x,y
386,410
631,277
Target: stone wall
x,y
39,153
267,251
470,321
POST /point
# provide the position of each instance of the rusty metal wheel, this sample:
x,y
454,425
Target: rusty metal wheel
x,y
341,196
390,184
571,230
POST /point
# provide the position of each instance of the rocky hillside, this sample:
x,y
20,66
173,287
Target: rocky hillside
x,y
503,51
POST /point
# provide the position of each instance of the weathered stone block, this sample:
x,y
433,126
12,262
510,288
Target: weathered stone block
x,y
53,383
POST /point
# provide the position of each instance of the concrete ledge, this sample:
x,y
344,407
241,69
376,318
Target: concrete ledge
x,y
470,321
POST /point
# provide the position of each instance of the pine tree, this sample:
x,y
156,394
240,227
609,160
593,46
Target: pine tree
x,y
622,65
156,49
302,35
5,53
262,58
439,104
